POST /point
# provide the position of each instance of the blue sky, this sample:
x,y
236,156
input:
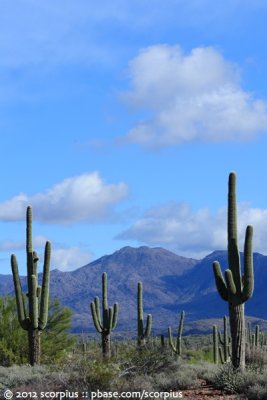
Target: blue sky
x,y
120,122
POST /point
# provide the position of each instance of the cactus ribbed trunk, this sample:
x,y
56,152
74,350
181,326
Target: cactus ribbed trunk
x,y
237,326
215,345
34,340
106,345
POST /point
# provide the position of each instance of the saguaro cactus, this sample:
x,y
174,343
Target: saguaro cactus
x,y
177,349
215,344
254,339
142,333
225,341
109,317
34,317
236,288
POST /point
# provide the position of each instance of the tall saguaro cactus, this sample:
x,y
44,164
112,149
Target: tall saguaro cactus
x,y
177,349
236,288
142,332
109,317
34,317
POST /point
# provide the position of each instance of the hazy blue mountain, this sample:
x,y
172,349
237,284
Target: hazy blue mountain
x,y
171,283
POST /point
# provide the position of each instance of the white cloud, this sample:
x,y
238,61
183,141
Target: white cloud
x,y
196,234
82,198
68,259
12,245
190,97
62,257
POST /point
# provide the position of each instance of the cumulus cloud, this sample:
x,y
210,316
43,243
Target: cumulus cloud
x,y
70,258
195,234
63,257
190,97
82,198
12,245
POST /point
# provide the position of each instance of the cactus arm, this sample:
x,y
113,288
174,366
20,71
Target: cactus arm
x,y
97,308
110,319
221,355
171,340
220,284
248,265
45,288
230,284
22,316
33,304
115,315
148,325
96,321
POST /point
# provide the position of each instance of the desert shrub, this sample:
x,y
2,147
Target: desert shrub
x,y
205,371
242,382
92,374
182,378
15,376
256,358
135,383
257,392
228,379
146,362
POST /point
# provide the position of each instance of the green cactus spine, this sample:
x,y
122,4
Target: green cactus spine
x,y
142,333
235,288
109,318
177,349
215,344
225,351
34,318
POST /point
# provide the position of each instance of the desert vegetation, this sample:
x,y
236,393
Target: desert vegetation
x,y
230,363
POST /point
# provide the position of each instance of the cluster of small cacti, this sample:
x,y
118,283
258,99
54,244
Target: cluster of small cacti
x,y
255,339
221,344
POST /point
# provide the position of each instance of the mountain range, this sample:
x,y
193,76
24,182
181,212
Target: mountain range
x,y
171,283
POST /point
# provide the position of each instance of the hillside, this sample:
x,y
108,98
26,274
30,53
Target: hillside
x,y
171,283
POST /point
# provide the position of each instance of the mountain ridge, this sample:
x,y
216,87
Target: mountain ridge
x,y
171,283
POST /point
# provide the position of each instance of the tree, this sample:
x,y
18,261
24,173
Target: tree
x,y
56,340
